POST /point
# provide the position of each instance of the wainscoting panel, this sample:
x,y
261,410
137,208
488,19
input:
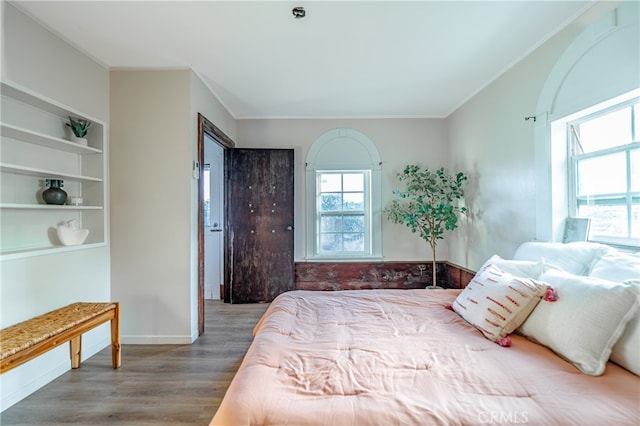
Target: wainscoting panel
x,y
376,275
457,276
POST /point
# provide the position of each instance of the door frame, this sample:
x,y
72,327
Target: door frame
x,y
205,127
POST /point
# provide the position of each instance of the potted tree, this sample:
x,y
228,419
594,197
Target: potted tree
x,y
79,130
428,204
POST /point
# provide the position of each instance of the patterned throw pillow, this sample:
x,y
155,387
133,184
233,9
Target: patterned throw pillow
x,y
497,302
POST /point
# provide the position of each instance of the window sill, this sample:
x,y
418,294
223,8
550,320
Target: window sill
x,y
336,259
622,244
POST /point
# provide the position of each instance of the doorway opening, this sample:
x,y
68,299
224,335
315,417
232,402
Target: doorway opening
x,y
213,194
212,142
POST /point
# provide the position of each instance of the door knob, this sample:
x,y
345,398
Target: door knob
x,y
289,228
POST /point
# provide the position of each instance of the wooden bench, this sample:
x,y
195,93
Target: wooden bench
x,y
24,341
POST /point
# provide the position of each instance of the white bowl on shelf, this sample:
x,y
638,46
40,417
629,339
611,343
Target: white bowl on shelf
x,y
70,235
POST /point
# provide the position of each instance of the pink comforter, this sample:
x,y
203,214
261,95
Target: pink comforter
x,y
390,357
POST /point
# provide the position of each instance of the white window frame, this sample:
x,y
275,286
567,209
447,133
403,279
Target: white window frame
x,y
344,150
574,157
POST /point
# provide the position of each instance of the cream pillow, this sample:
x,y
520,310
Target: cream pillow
x,y
497,302
519,268
575,258
626,351
617,266
585,322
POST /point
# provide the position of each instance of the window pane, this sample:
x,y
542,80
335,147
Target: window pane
x,y
342,212
353,182
331,224
331,243
635,170
635,221
602,175
330,202
354,223
353,242
330,182
354,201
607,131
606,220
636,111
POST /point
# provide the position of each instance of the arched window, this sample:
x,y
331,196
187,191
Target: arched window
x,y
592,89
343,174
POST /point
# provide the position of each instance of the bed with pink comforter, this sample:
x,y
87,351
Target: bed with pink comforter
x,y
385,357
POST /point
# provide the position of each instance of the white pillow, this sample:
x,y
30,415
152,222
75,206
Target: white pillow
x,y
575,258
617,266
585,322
519,268
626,351
497,302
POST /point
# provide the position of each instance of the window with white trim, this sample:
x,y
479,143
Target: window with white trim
x,y
343,192
604,172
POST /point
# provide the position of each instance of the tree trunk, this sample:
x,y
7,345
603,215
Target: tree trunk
x,y
433,250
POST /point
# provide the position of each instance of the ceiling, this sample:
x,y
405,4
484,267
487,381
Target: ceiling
x,y
355,59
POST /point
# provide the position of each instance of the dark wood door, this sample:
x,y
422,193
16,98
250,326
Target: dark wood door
x,y
259,224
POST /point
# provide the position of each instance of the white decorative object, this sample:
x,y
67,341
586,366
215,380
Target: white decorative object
x,y
75,201
79,141
70,235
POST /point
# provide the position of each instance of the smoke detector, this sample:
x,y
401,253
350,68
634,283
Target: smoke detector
x,y
298,12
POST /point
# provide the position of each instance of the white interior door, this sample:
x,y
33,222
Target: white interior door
x,y
213,217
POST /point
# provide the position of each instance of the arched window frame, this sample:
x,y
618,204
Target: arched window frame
x,y
558,105
345,150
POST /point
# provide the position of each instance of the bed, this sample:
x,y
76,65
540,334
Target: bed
x,y
383,357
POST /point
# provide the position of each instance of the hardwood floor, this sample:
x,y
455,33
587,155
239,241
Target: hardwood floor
x,y
156,385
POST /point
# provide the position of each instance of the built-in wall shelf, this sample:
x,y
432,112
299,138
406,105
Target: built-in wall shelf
x,y
47,207
37,101
48,249
34,147
48,174
41,139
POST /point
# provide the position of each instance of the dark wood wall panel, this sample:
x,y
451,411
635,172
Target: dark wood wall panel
x,y
376,275
458,277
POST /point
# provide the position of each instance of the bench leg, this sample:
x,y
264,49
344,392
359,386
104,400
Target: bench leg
x,y
75,345
116,359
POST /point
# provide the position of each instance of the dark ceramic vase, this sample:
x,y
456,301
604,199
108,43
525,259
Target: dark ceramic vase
x,y
54,194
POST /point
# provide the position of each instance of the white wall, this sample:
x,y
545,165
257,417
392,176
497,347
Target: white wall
x,y
151,154
490,140
36,59
399,142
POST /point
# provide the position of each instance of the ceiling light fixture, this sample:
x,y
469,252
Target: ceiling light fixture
x,y
298,12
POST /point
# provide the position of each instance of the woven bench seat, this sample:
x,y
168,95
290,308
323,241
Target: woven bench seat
x,y
24,341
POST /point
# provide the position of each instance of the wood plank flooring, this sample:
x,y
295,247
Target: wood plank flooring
x,y
156,385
